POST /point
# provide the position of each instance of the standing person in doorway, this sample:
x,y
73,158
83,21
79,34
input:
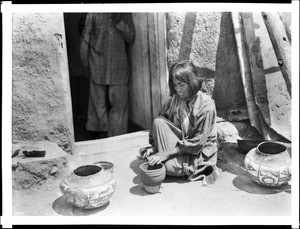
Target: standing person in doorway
x,y
105,60
184,135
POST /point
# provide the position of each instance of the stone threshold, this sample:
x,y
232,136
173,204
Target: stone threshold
x,y
121,142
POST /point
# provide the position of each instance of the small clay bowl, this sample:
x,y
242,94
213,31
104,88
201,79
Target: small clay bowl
x,y
106,165
152,176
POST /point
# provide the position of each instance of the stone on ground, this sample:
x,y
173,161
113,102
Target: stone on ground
x,y
35,163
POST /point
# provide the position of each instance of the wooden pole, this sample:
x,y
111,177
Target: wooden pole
x,y
286,21
139,83
280,44
245,70
277,93
157,61
257,72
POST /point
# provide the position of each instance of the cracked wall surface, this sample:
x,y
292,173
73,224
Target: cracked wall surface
x,y
194,36
41,100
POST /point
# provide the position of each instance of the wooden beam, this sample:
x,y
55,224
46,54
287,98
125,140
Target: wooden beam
x,y
157,60
154,68
245,70
256,63
139,83
257,71
163,66
280,43
278,96
286,18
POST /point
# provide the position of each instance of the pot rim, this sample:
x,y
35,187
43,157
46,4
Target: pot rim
x,y
162,169
101,170
268,142
103,162
104,174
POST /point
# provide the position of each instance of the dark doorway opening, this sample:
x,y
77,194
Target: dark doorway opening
x,y
79,83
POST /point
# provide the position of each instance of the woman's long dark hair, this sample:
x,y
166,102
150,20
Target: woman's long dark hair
x,y
185,71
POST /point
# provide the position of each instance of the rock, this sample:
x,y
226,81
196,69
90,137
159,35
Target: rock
x,y
53,171
15,153
14,167
227,132
33,151
230,132
17,146
32,174
36,163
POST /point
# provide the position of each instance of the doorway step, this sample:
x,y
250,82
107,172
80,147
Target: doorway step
x,y
125,141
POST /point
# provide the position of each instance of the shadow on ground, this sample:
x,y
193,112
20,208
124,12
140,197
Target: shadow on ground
x,y
135,166
138,188
179,180
61,207
246,184
231,160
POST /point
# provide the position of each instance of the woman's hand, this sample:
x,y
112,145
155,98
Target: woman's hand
x,y
145,152
159,157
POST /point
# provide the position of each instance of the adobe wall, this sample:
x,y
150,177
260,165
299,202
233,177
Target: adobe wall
x,y
42,108
208,38
41,99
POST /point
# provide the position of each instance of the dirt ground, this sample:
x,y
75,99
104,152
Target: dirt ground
x,y
234,193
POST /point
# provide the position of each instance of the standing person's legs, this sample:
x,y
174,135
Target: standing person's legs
x,y
165,136
118,114
97,112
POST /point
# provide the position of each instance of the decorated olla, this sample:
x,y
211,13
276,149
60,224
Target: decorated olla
x,y
88,186
268,164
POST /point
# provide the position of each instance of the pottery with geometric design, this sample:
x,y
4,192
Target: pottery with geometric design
x,y
268,164
88,186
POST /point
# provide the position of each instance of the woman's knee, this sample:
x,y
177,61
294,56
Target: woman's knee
x,y
159,121
173,167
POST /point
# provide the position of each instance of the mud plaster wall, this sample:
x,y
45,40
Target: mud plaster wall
x,y
41,97
208,38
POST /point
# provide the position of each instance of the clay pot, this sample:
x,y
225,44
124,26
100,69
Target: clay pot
x,y
152,176
268,164
88,186
106,165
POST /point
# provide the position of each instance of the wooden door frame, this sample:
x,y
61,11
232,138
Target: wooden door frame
x,y
148,86
158,61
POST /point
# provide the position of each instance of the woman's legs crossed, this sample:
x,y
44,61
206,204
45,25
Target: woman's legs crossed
x,y
165,136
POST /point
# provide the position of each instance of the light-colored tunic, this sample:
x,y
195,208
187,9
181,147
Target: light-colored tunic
x,y
191,127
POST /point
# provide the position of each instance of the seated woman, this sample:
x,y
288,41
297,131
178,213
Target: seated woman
x,y
183,136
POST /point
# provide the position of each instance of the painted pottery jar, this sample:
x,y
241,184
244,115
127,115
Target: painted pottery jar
x,y
88,186
268,164
152,176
